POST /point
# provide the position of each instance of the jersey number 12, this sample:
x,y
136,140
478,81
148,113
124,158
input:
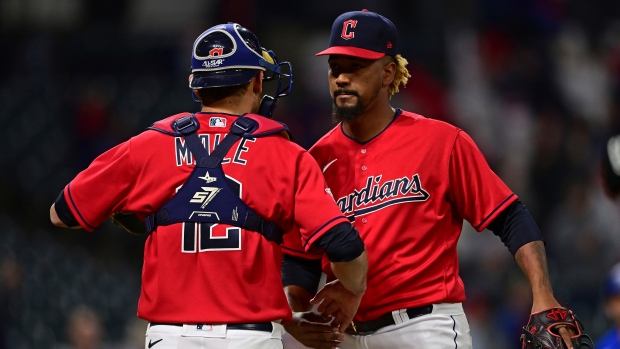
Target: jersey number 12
x,y
206,237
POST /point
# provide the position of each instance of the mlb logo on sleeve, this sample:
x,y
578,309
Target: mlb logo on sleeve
x,y
217,122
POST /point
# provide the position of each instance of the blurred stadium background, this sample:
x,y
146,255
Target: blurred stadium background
x,y
535,82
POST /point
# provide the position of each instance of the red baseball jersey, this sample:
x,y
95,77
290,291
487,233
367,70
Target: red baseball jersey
x,y
407,191
194,273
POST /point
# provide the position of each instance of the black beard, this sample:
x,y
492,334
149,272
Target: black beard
x,y
340,114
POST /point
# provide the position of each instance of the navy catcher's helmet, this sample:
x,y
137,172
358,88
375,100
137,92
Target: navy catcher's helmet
x,y
230,55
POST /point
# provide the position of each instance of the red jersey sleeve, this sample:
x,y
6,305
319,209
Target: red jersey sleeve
x,y
480,195
293,246
313,203
102,188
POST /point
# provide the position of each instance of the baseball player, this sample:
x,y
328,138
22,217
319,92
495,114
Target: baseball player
x,y
407,183
216,189
611,339
610,166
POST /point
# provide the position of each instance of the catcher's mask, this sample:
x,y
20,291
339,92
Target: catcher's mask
x,y
230,55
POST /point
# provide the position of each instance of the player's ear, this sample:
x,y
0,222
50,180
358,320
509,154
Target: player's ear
x,y
195,92
257,83
389,70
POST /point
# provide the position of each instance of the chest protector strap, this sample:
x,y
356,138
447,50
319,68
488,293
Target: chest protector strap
x,y
208,196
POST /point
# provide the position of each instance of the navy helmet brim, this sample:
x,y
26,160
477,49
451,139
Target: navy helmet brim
x,y
221,78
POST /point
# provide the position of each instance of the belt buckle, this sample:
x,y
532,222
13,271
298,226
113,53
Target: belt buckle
x,y
359,333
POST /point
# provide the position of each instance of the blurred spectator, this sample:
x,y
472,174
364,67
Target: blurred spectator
x,y
10,282
85,330
611,339
610,166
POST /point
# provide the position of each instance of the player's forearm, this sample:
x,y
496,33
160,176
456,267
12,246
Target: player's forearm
x,y
532,260
298,298
352,274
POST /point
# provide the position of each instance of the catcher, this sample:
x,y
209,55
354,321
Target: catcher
x,y
215,190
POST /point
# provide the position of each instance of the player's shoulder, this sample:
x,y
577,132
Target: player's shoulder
x,y
268,127
410,117
210,122
433,128
328,138
150,139
165,125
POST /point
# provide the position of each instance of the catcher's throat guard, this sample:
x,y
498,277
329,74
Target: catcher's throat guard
x,y
283,72
542,330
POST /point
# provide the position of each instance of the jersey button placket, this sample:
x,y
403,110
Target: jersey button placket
x,y
361,176
362,157
363,152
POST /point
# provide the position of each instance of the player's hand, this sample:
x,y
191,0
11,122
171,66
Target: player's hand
x,y
566,334
548,301
337,301
313,330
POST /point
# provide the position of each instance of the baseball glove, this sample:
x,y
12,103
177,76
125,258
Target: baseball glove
x,y
541,331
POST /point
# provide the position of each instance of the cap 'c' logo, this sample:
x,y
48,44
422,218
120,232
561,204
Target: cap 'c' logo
x,y
347,32
217,51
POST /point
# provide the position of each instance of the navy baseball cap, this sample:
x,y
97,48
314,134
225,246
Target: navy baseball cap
x,y
362,34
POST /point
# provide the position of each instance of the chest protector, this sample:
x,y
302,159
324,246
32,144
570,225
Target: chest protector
x,y
208,196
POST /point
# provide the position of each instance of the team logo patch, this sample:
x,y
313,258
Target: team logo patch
x,y
329,164
557,314
347,29
213,63
379,194
205,197
216,51
217,122
208,178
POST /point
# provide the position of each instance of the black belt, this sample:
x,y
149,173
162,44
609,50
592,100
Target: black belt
x,y
367,327
258,326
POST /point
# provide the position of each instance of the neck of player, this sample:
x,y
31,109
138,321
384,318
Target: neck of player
x,y
370,122
246,102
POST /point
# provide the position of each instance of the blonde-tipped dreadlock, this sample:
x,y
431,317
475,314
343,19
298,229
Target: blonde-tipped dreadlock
x,y
401,77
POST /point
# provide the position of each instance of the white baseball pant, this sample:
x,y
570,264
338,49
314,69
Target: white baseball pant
x,y
445,328
211,337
